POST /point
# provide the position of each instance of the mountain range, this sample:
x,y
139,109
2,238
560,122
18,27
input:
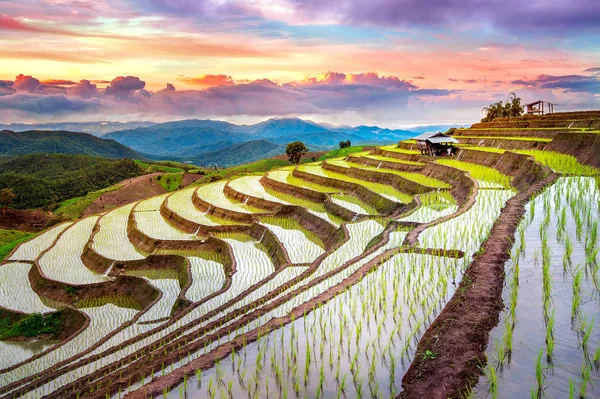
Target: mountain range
x,y
208,141
197,141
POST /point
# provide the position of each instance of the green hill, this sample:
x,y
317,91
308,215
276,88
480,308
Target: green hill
x,y
61,142
45,179
237,154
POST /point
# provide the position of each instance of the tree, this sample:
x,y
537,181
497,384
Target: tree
x,y
345,144
7,195
512,107
295,151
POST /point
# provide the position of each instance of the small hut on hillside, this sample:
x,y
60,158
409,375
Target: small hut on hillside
x,y
539,107
433,143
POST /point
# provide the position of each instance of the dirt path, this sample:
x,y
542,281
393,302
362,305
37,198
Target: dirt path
x,y
459,335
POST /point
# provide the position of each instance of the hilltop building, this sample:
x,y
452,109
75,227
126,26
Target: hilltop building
x,y
539,107
433,143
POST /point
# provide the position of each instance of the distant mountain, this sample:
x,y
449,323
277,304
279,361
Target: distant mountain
x,y
95,128
60,142
238,154
182,138
192,139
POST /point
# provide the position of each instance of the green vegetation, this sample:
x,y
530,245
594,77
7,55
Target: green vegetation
x,y
387,159
479,172
56,142
158,167
341,152
513,138
73,208
29,325
42,180
561,163
484,149
295,151
512,107
394,148
10,239
170,181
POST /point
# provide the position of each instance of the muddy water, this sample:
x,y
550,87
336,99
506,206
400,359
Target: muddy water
x,y
516,374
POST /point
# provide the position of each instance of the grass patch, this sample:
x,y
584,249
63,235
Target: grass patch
x,y
483,149
341,152
73,208
29,325
479,172
396,160
394,148
167,166
513,138
170,181
561,163
11,238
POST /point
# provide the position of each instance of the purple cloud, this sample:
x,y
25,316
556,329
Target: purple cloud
x,y
125,86
331,92
531,15
568,83
84,89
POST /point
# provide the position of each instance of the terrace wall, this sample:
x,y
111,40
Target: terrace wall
x,y
583,146
398,182
382,204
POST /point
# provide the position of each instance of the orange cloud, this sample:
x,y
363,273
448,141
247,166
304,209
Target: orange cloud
x,y
209,80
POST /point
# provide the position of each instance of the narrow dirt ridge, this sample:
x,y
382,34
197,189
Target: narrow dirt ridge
x,y
459,335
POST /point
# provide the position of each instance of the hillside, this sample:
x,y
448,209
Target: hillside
x,y
454,255
95,128
62,142
192,139
237,154
44,179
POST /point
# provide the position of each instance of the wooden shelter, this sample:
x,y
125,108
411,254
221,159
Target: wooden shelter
x,y
539,107
433,143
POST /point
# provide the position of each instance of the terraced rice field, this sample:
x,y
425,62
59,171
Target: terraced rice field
x,y
316,281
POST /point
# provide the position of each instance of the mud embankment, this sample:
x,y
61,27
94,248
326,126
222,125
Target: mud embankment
x,y
460,334
398,182
583,146
383,205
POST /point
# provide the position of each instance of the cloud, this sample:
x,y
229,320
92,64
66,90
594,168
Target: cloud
x,y
45,104
58,82
124,86
169,89
595,70
84,89
6,87
26,83
568,83
219,96
208,80
531,16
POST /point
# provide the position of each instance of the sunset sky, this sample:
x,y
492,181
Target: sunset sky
x,y
394,63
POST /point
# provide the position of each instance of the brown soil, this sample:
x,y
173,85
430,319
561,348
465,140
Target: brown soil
x,y
131,190
24,220
189,178
459,335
